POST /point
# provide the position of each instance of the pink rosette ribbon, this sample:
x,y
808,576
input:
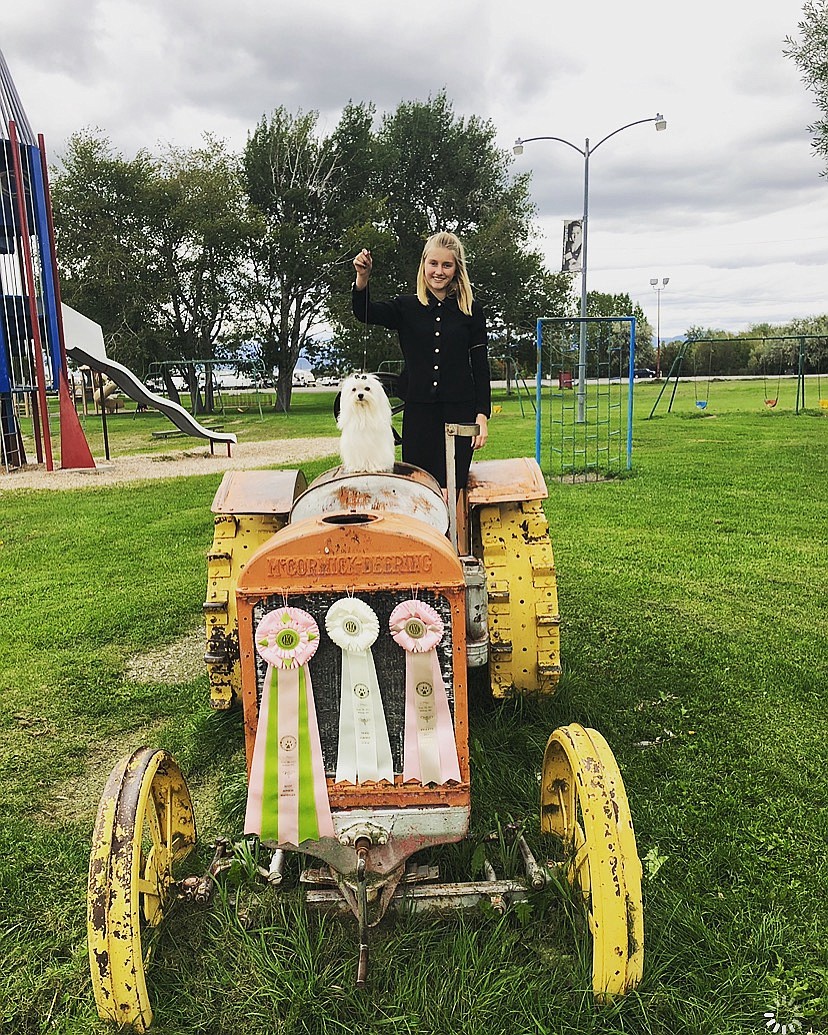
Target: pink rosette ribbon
x,y
287,796
364,750
429,750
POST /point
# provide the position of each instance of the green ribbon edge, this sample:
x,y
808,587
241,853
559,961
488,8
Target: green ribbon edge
x,y
308,822
270,791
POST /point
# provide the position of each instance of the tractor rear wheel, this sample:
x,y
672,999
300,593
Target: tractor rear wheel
x,y
584,804
524,624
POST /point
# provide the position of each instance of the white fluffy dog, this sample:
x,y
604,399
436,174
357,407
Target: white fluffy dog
x,y
367,441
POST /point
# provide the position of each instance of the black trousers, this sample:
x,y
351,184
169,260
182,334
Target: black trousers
x,y
424,438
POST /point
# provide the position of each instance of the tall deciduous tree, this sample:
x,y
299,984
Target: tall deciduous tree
x,y
103,205
152,249
433,171
810,52
611,341
307,191
201,234
196,251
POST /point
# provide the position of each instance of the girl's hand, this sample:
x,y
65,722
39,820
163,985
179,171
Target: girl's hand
x,y
363,264
480,440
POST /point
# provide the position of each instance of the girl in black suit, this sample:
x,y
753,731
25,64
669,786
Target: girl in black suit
x,y
443,338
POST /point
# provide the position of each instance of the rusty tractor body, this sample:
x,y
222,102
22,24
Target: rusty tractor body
x,y
379,540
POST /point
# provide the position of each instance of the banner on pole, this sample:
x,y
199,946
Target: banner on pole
x,y
572,241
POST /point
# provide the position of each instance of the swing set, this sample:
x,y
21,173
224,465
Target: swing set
x,y
770,393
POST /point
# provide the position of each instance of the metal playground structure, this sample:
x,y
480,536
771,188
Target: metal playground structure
x,y
584,395
32,346
37,331
793,354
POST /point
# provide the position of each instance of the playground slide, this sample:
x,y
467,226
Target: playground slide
x,y
85,345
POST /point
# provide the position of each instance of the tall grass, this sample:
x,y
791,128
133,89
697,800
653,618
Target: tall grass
x,y
693,604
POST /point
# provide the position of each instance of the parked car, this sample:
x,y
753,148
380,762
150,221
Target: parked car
x,y
644,372
303,379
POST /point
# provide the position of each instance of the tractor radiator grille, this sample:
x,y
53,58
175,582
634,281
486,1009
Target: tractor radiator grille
x,y
389,660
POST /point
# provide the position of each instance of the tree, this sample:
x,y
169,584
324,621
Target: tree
x,y
439,172
307,193
720,352
609,342
151,249
201,232
433,171
810,52
816,349
102,207
197,252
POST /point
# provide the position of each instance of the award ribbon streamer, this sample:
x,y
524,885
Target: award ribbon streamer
x,y
364,751
429,751
287,795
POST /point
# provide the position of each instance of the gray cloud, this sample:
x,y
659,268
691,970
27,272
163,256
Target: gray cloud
x,y
731,189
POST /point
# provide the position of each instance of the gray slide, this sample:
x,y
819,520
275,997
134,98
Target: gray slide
x,y
84,345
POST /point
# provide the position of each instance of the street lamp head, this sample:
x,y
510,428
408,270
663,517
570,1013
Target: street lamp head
x,y
653,281
665,281
518,147
660,122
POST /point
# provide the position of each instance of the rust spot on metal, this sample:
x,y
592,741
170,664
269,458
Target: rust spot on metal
x,y
351,499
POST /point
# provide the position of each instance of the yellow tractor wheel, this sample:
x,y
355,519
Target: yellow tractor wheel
x,y
584,804
144,828
524,624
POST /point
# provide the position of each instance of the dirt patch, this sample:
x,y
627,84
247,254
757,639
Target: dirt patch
x,y
172,464
77,796
177,662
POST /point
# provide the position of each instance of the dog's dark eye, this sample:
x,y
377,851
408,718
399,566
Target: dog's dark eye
x,y
367,388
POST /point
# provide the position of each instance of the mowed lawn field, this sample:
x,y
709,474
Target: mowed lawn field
x,y
693,599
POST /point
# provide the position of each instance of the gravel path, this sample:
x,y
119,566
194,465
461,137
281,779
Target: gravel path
x,y
172,464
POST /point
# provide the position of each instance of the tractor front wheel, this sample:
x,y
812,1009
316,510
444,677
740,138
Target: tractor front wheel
x,y
144,828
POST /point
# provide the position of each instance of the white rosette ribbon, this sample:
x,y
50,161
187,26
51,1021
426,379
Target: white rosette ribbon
x,y
364,751
430,750
287,796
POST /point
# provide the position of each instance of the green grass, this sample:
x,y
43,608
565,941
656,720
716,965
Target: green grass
x,y
693,605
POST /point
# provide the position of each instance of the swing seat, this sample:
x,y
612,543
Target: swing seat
x,y
771,402
701,403
824,403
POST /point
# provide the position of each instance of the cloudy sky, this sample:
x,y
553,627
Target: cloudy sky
x,y
728,203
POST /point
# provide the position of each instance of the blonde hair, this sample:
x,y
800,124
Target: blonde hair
x,y
460,285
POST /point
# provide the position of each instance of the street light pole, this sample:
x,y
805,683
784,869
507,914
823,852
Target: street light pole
x,y
658,288
585,152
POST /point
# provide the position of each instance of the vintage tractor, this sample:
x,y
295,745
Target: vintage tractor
x,y
345,618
